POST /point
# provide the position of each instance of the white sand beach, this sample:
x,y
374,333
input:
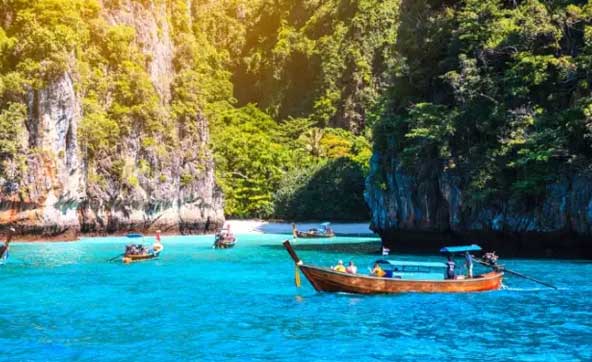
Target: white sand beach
x,y
266,227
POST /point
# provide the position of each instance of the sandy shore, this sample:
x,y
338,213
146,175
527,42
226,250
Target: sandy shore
x,y
265,227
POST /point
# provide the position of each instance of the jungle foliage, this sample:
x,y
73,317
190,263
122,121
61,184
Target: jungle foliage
x,y
255,148
498,92
495,91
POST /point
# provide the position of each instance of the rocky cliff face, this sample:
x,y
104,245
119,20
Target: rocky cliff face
x,y
430,207
60,195
52,186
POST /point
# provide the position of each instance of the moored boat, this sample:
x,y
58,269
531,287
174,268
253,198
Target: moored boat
x,y
324,231
397,279
224,238
137,252
134,258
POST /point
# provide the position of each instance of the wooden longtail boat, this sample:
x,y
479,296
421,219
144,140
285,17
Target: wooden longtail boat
x,y
224,242
131,257
134,258
324,231
224,238
328,280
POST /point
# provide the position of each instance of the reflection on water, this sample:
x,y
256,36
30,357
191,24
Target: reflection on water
x,y
64,302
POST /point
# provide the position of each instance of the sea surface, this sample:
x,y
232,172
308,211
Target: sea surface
x,y
67,302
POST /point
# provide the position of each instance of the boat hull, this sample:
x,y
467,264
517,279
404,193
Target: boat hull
x,y
307,235
223,245
135,258
327,280
224,242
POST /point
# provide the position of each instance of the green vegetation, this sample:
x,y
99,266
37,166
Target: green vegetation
x,y
265,168
297,68
324,60
295,92
496,91
259,143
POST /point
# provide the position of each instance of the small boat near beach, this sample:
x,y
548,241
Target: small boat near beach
x,y
224,238
399,277
137,252
324,231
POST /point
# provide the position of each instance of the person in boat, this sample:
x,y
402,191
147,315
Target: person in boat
x,y
490,258
339,267
157,246
131,249
450,265
377,271
469,264
351,268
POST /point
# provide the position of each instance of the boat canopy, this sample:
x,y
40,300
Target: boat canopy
x,y
403,263
460,249
135,235
326,224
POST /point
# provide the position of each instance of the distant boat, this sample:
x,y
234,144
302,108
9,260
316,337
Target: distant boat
x,y
324,231
400,277
134,253
224,239
134,258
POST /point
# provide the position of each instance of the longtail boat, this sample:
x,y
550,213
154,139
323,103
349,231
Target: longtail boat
x,y
134,258
397,279
324,231
224,238
134,253
222,242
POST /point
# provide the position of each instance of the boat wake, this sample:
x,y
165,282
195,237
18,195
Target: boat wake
x,y
532,289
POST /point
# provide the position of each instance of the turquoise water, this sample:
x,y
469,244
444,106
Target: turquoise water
x,y
64,302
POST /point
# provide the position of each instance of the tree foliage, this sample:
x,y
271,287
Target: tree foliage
x,y
497,91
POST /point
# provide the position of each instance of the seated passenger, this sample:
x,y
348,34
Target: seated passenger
x,y
351,268
377,271
339,267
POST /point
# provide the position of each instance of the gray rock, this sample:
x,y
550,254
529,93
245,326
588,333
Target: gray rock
x,y
434,201
55,199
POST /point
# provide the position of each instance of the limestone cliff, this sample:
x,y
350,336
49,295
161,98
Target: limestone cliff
x,y
46,199
430,206
61,191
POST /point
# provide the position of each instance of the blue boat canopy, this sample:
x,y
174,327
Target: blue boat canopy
x,y
135,235
460,249
403,263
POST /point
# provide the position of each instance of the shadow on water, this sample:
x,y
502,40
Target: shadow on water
x,y
359,247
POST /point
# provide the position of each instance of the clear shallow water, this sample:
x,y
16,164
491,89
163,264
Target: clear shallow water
x,y
63,301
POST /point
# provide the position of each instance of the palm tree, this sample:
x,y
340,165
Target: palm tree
x,y
312,141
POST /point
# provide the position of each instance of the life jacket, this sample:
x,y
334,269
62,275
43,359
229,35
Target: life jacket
x,y
340,268
378,272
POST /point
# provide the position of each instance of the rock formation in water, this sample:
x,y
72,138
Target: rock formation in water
x,y
54,188
431,205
